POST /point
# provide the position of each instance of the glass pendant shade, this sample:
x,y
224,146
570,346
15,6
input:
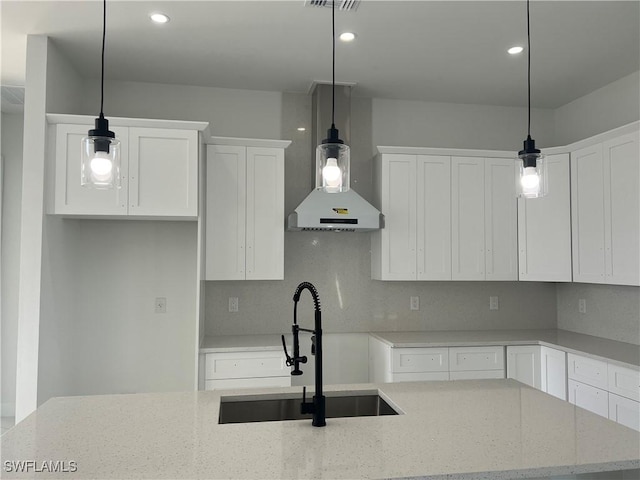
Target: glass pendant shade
x,y
100,158
333,164
532,181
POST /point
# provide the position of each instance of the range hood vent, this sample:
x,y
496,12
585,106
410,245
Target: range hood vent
x,y
333,212
346,5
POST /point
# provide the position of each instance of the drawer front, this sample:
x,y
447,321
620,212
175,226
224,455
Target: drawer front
x,y
247,383
587,370
476,358
624,411
590,398
245,365
419,377
406,360
476,374
624,381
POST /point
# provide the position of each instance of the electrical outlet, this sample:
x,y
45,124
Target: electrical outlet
x,y
233,304
414,303
493,303
161,305
582,305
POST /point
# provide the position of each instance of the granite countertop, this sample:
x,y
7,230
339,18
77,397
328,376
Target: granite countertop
x,y
471,429
624,354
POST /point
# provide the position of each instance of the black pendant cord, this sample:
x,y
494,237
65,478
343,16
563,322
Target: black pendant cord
x,y
104,34
528,73
333,63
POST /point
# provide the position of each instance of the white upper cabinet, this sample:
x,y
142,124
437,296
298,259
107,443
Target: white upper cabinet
x,y
605,181
483,219
414,196
159,169
544,228
245,211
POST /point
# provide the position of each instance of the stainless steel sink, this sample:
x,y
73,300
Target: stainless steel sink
x,y
273,409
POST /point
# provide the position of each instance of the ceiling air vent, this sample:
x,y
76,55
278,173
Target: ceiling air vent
x,y
347,5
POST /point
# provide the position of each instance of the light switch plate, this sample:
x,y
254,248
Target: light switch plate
x,y
233,304
493,303
161,305
414,303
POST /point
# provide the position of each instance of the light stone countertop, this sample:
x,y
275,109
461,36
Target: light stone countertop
x,y
621,353
624,354
469,429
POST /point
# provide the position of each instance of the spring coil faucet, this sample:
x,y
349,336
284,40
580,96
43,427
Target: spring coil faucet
x,y
317,406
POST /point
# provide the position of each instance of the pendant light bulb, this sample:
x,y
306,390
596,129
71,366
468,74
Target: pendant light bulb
x,y
100,155
532,181
332,155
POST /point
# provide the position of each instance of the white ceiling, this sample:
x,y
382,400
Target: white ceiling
x,y
449,51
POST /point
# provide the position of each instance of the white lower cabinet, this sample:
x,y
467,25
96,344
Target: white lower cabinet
x,y
587,370
624,411
246,370
523,364
590,398
466,363
624,382
553,372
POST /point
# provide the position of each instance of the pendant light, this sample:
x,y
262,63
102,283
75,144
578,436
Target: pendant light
x,y
100,149
532,181
332,155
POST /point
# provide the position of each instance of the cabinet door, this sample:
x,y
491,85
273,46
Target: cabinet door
x,y
434,217
225,225
476,358
501,220
467,218
622,210
523,364
70,197
590,398
265,214
398,202
544,228
587,209
624,411
553,372
163,172
624,381
587,370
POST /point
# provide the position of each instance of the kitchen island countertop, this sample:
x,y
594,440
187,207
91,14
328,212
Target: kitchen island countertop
x,y
470,429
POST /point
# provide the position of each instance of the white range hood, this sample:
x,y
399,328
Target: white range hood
x,y
335,212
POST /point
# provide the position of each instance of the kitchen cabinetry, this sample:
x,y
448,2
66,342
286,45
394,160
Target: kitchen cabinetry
x,y
605,201
246,370
483,219
540,367
414,193
588,397
159,169
389,364
245,210
544,228
624,411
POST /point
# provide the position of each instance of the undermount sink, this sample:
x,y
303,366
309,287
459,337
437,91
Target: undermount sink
x,y
273,408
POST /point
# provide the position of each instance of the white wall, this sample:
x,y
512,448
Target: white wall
x,y
239,113
448,125
604,109
12,125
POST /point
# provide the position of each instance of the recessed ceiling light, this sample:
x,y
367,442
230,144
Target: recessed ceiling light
x,y
159,17
347,36
301,129
515,50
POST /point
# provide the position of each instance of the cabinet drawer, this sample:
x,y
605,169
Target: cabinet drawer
x,y
476,374
247,383
245,365
476,358
624,381
624,411
587,370
590,398
419,376
405,360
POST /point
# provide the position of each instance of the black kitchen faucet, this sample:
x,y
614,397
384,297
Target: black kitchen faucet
x,y
317,406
